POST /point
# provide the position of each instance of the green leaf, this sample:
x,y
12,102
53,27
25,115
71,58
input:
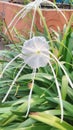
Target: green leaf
x,y
64,87
51,120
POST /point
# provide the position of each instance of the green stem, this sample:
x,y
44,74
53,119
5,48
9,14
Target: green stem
x,y
10,36
46,28
64,87
65,35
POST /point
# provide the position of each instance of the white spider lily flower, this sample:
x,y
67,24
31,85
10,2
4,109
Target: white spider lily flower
x,y
36,50
33,49
35,53
27,8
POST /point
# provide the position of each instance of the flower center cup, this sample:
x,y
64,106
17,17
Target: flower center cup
x,y
38,52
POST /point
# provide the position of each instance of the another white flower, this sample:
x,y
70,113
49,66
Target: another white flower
x,y
33,50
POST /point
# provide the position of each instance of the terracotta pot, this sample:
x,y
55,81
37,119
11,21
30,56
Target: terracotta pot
x,y
7,13
54,18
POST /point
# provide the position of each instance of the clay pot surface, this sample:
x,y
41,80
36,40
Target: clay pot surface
x,y
54,18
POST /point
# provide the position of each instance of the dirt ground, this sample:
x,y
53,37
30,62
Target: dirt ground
x,y
1,43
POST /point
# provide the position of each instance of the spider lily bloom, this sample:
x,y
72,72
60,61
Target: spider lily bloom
x,y
27,8
33,50
35,53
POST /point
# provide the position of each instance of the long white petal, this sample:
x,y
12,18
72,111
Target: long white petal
x,y
58,89
70,82
8,65
13,83
30,94
32,22
15,18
